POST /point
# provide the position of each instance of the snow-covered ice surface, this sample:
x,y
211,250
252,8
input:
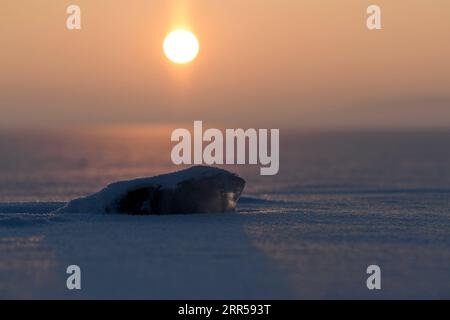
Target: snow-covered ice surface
x,y
270,249
341,202
178,256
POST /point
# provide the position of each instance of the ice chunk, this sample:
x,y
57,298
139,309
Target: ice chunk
x,y
199,189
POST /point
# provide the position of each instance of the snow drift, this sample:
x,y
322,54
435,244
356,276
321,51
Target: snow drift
x,y
199,189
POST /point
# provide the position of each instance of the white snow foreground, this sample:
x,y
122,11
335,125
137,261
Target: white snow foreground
x,y
199,189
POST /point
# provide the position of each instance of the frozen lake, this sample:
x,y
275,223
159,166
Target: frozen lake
x,y
341,202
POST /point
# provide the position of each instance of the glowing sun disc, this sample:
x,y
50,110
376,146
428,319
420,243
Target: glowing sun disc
x,y
181,46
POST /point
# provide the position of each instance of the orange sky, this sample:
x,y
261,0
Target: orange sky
x,y
262,63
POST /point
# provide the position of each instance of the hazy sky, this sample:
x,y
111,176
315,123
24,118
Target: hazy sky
x,y
262,63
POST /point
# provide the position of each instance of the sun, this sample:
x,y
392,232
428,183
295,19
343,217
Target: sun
x,y
181,46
